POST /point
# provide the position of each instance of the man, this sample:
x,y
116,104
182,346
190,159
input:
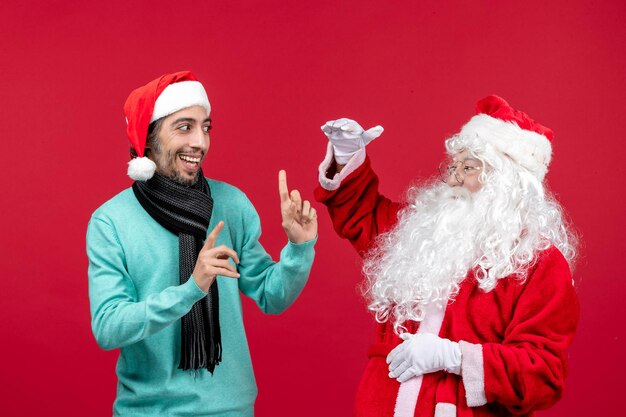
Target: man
x,y
154,274
469,281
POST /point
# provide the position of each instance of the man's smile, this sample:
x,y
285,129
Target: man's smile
x,y
190,162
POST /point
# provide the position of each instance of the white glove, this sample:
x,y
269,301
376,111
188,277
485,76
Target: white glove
x,y
421,354
347,137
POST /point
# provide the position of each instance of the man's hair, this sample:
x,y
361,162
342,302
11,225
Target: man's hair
x,y
152,140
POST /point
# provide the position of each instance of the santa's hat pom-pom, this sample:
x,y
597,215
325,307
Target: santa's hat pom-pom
x,y
141,169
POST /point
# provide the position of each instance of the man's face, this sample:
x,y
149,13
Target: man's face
x,y
183,141
466,172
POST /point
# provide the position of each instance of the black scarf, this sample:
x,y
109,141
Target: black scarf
x,y
186,212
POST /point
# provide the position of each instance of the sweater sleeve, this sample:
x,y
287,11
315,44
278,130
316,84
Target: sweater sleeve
x,y
274,286
527,370
358,211
117,318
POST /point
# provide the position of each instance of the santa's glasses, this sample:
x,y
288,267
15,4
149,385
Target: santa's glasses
x,y
460,169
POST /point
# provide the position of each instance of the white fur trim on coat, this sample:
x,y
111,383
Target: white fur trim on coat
x,y
530,149
406,400
445,410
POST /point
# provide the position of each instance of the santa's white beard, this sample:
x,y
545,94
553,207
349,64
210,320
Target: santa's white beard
x,y
444,234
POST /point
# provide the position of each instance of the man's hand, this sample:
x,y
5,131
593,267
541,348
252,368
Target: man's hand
x,y
347,137
213,261
299,218
421,354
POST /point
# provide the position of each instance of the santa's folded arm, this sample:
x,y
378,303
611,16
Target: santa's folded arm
x,y
526,370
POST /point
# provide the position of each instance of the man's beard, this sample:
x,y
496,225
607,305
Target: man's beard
x,y
427,254
166,166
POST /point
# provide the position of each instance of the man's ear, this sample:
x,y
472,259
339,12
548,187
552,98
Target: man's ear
x,y
147,151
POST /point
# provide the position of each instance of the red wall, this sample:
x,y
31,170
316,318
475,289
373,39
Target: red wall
x,y
274,74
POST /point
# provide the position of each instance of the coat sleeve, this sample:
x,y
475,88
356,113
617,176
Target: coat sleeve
x,y
527,370
117,318
358,211
274,286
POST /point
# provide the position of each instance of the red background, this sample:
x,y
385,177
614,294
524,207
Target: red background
x,y
275,71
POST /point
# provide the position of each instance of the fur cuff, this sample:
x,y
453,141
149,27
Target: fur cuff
x,y
473,374
332,184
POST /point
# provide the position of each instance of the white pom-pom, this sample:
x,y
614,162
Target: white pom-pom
x,y
141,169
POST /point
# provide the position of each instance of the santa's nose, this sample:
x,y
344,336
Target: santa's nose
x,y
454,179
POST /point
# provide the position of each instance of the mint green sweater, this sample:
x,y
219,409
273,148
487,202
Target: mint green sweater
x,y
137,302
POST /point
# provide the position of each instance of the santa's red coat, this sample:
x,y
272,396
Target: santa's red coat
x,y
513,338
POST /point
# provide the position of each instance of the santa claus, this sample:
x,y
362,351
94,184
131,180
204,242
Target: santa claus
x,y
469,280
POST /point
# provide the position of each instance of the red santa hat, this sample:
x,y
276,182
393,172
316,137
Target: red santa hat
x,y
513,133
159,98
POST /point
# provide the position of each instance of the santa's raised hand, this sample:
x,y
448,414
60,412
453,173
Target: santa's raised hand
x,y
347,137
299,218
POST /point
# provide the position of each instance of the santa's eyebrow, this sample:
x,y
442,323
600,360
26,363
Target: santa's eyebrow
x,y
469,158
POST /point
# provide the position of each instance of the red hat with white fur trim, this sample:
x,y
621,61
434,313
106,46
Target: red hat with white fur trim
x,y
513,133
159,98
